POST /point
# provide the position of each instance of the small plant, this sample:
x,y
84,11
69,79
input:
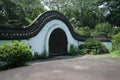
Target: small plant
x,y
74,51
15,54
44,55
36,56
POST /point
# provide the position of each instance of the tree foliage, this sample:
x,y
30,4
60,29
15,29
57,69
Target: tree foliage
x,y
18,13
56,4
11,15
103,29
84,13
32,8
83,31
81,13
112,9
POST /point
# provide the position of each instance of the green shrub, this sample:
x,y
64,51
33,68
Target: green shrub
x,y
44,55
116,41
115,53
92,46
15,54
74,51
116,45
38,56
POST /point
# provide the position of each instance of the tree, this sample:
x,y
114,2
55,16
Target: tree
x,y
83,31
11,15
112,9
84,13
103,29
32,8
19,13
56,4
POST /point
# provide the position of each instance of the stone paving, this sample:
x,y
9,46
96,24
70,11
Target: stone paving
x,y
79,68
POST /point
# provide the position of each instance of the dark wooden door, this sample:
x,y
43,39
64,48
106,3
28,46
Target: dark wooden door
x,y
58,43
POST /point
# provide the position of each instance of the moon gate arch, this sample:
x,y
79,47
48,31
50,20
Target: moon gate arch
x,y
58,42
58,38
51,32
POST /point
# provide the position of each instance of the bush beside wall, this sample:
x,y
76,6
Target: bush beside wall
x,y
116,45
74,51
92,46
15,54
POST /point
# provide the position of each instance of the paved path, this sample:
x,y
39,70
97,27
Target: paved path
x,y
80,68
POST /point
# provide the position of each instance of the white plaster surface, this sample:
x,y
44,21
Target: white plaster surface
x,y
40,42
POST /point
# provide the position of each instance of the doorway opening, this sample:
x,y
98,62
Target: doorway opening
x,y
58,43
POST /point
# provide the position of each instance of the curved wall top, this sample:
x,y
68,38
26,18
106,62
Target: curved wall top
x,y
33,29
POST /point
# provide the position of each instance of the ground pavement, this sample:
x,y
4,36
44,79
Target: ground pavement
x,y
79,68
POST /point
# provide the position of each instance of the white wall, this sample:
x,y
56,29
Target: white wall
x,y
108,45
40,42
5,41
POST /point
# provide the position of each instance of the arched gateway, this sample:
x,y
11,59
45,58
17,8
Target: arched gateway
x,y
58,42
51,32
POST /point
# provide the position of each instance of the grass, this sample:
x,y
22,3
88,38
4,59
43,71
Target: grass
x,y
115,54
103,56
111,55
